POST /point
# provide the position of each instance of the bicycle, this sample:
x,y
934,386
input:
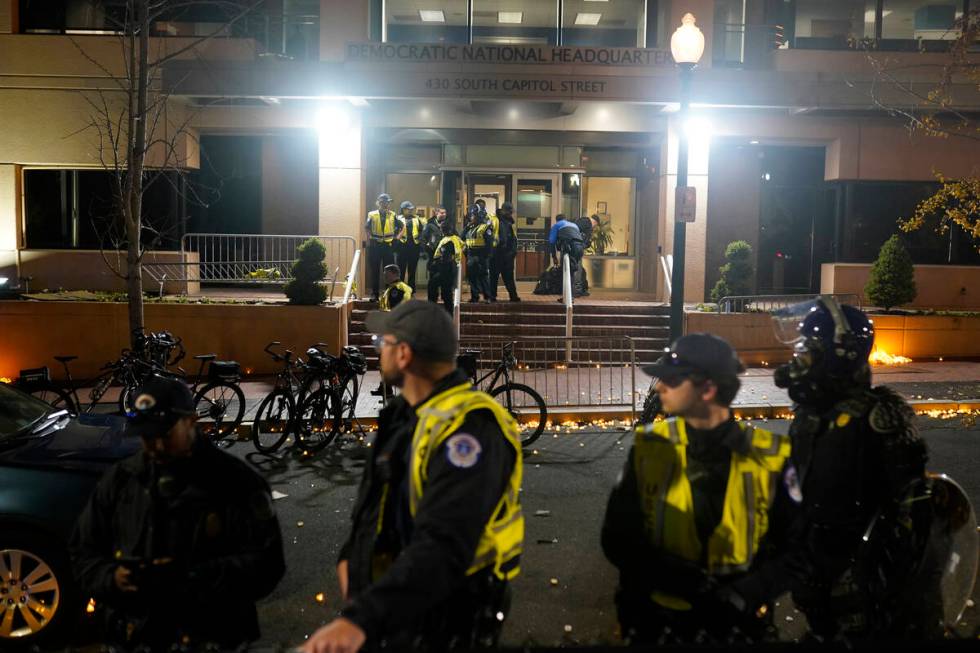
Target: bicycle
x,y
275,417
324,413
521,401
652,406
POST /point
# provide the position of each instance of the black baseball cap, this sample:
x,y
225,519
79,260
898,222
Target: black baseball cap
x,y
425,326
698,353
159,403
506,206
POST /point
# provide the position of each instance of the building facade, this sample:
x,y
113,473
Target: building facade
x,y
293,121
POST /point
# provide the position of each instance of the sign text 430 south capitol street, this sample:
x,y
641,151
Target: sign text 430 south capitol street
x,y
515,85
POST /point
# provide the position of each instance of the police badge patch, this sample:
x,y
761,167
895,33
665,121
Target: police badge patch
x,y
463,450
792,482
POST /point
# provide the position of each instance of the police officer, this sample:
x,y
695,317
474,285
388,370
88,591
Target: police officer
x,y
504,251
382,228
701,512
409,243
860,462
437,527
431,235
478,237
396,291
565,238
444,269
180,540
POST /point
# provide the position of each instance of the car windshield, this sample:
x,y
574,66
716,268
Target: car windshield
x,y
18,411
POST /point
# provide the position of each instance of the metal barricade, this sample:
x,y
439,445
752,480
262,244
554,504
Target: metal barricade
x,y
233,258
770,303
599,372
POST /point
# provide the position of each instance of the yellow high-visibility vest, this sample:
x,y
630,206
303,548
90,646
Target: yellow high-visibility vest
x,y
478,237
660,463
384,304
417,225
457,244
502,541
383,232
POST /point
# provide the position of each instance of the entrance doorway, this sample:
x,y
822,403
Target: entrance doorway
x,y
537,196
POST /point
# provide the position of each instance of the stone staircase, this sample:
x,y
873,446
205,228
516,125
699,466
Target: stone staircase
x,y
602,325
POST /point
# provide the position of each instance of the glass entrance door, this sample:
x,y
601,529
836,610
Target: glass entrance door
x,y
536,206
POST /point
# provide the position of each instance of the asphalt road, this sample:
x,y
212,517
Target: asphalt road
x,y
564,595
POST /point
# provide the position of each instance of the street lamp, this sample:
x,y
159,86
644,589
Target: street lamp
x,y
687,46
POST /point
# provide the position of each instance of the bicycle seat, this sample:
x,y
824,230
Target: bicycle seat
x,y
65,359
205,357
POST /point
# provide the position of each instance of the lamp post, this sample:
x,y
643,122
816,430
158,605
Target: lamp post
x,y
687,46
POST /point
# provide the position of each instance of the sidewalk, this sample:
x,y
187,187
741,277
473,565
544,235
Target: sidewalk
x,y
932,385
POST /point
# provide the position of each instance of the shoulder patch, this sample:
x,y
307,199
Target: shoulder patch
x,y
792,482
463,450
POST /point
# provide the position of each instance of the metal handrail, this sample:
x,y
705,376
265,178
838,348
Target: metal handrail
x,y
769,303
351,276
457,293
667,263
566,289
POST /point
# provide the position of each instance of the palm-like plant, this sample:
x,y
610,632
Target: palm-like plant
x,y
602,235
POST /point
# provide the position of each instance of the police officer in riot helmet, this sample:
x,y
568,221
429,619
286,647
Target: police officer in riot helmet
x,y
180,540
478,237
861,466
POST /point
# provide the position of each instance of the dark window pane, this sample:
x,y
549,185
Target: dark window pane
x,y
514,22
99,226
833,24
47,196
440,21
619,24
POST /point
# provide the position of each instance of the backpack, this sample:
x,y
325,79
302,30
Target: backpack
x,y
550,282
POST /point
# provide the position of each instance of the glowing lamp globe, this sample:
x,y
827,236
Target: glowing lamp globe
x,y
687,42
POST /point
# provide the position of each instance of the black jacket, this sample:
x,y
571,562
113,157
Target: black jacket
x,y
428,555
507,238
430,237
209,512
643,569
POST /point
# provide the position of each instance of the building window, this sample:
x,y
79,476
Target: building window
x,y
833,24
613,200
439,21
729,42
421,189
620,24
515,22
915,21
74,209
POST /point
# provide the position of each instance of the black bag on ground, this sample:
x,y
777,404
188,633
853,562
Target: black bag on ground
x,y
549,283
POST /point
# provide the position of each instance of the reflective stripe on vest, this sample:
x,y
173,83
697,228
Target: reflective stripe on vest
x,y
384,304
457,244
495,230
382,232
502,540
478,237
660,459
417,225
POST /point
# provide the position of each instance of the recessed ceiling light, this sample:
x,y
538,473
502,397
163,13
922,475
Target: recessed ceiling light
x,y
432,16
587,19
510,17
753,142
597,0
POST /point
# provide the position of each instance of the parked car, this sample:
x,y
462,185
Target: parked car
x,y
49,464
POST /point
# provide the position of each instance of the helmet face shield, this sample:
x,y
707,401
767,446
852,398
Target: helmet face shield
x,y
787,323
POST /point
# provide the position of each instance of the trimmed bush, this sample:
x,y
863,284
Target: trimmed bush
x,y
736,273
308,270
892,280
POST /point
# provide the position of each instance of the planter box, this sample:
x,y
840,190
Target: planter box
x,y
34,332
953,287
915,336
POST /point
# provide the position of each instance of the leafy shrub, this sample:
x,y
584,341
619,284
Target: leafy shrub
x,y
736,273
892,280
308,270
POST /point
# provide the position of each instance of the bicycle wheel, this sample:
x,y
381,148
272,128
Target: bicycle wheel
x,y
273,421
127,396
53,395
349,397
220,408
524,404
318,419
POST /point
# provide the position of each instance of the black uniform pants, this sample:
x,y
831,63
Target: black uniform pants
x,y
442,281
575,252
477,273
408,261
378,255
502,264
